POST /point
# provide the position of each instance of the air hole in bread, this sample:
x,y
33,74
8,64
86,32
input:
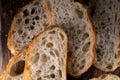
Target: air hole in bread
x,y
99,56
83,61
19,21
45,24
81,67
20,31
115,56
17,68
49,44
33,23
43,58
28,37
26,21
115,16
52,67
38,71
24,34
76,47
57,9
109,66
52,32
62,36
108,19
37,17
13,32
33,11
79,13
31,27
77,65
57,53
78,31
85,36
86,47
72,64
102,12
39,78
52,75
49,5
51,53
43,42
103,76
60,73
110,2
25,12
35,58
110,7
44,16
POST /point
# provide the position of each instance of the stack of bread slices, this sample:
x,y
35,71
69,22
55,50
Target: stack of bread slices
x,y
50,38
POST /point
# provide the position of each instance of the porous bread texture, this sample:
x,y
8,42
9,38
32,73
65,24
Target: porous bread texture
x,y
73,17
107,77
106,19
47,56
27,23
15,67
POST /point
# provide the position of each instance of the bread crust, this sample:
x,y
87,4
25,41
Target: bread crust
x,y
11,44
92,51
94,40
16,58
101,34
106,76
30,49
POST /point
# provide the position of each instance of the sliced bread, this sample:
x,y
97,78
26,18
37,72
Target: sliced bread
x,y
107,77
47,55
73,17
15,67
27,23
106,18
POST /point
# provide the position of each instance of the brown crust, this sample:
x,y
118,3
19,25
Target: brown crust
x,y
94,40
47,12
10,43
12,61
106,70
30,49
104,75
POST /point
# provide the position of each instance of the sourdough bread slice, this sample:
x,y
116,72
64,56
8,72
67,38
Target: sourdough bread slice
x,y
15,67
27,23
107,77
74,19
106,18
47,56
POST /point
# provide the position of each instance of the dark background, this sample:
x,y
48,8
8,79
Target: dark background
x,y
8,9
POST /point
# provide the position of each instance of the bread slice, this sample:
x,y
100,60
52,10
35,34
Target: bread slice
x,y
27,23
73,17
15,67
106,18
47,56
107,77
